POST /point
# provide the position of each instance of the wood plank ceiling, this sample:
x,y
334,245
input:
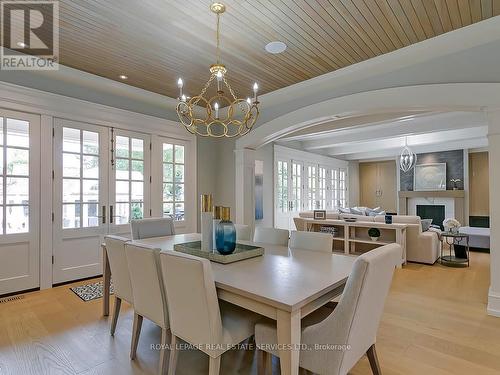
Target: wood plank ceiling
x,y
154,42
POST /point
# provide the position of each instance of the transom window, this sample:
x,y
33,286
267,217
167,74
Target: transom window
x,y
129,179
173,181
80,178
14,171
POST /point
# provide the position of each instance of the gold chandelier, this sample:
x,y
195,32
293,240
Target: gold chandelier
x,y
220,115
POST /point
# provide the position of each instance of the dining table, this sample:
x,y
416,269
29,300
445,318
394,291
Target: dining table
x,y
283,284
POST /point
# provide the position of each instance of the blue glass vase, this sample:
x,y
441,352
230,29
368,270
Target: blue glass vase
x,y
225,237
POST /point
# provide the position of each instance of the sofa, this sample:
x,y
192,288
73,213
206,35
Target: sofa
x,y
421,247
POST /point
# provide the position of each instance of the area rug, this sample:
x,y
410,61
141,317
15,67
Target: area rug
x,y
89,292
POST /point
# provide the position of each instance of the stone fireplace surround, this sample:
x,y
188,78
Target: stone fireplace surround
x,y
453,200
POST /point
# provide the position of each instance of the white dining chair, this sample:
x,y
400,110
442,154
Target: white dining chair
x,y
271,236
351,328
196,316
115,248
313,241
149,295
152,227
243,232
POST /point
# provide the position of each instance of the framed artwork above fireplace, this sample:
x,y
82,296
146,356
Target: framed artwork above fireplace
x,y
430,177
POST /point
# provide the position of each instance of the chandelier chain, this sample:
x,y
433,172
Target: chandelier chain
x,y
204,90
217,53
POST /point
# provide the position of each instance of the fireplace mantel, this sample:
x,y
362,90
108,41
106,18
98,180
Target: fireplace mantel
x,y
458,197
432,194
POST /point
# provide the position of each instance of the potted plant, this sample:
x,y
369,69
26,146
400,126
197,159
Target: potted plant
x,y
374,233
455,182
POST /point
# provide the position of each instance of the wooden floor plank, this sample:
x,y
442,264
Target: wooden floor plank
x,y
434,322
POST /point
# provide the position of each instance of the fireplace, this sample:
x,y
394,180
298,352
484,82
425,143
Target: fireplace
x,y
432,211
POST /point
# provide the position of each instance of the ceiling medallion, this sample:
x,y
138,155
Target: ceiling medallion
x,y
407,158
220,115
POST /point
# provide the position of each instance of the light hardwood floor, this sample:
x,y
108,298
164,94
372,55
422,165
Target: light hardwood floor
x,y
435,322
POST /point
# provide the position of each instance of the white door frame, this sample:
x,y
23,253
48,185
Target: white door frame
x,y
29,277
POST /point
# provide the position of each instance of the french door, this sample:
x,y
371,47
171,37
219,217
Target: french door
x,y
130,179
19,201
289,185
173,191
101,181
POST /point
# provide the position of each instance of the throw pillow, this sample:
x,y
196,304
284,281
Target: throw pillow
x,y
426,224
355,211
372,212
343,210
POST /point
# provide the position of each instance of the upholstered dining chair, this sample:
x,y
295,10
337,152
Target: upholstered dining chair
x,y
115,248
351,328
313,241
243,232
196,316
271,236
149,295
152,227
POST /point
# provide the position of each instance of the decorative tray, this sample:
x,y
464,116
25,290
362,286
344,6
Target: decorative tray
x,y
240,253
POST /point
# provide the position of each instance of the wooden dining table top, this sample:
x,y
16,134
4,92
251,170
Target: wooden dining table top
x,y
287,279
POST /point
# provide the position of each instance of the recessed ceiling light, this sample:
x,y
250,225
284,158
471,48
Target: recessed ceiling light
x,y
123,76
21,44
275,47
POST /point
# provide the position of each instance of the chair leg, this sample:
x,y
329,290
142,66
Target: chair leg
x,y
116,312
372,357
214,366
165,338
172,362
136,332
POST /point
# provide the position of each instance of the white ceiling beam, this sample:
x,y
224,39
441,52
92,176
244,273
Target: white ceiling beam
x,y
410,126
413,141
392,153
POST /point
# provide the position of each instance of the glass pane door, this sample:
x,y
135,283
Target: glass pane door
x,y
19,201
80,178
173,181
80,198
282,187
312,181
321,191
296,187
130,179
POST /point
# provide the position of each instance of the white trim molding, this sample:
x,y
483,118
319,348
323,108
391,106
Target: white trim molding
x,y
493,303
469,97
44,103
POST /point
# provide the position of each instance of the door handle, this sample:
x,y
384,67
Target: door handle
x,y
111,214
104,214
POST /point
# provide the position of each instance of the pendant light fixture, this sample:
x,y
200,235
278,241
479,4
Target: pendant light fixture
x,y
407,158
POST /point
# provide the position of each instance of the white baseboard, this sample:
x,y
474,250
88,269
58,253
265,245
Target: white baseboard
x,y
493,303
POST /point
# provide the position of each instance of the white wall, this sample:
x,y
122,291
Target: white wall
x,y
353,172
224,175
207,159
266,154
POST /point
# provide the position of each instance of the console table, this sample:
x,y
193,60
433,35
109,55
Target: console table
x,y
353,236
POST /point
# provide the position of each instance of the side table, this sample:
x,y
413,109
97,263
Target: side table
x,y
452,239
